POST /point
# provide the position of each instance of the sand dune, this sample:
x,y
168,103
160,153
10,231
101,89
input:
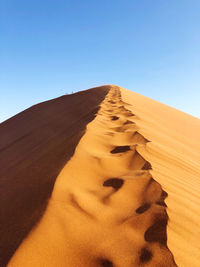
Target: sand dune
x,y
34,146
129,195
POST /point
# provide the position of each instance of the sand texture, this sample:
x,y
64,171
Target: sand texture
x,y
34,146
129,194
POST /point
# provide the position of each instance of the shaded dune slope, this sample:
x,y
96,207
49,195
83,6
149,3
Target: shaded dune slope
x,y
34,147
106,208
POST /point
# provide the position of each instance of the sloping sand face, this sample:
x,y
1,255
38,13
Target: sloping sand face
x,y
174,153
108,206
136,166
34,147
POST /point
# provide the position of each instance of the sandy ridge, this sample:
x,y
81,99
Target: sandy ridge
x,y
34,147
106,208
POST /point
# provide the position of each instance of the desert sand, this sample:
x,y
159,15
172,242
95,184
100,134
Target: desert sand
x,y
126,195
34,147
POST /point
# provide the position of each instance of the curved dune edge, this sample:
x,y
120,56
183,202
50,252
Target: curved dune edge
x,y
34,147
106,208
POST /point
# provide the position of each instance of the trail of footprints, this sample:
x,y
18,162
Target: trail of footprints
x,y
130,204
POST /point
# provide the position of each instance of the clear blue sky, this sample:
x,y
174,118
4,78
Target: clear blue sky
x,y
52,47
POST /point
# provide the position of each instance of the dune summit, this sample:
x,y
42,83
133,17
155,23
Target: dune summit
x,y
104,177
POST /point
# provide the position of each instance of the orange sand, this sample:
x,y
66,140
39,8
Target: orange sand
x,y
137,164
34,147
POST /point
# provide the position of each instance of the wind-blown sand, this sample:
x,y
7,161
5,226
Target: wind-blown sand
x,y
128,196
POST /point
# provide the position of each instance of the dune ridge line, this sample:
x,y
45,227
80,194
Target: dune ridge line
x,y
35,145
106,209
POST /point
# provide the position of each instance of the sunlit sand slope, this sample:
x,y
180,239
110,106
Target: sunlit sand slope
x,y
34,146
129,196
174,153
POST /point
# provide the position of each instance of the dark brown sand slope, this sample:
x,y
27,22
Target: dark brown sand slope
x,y
34,147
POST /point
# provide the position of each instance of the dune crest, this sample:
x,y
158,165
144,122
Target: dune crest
x,y
107,208
34,147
